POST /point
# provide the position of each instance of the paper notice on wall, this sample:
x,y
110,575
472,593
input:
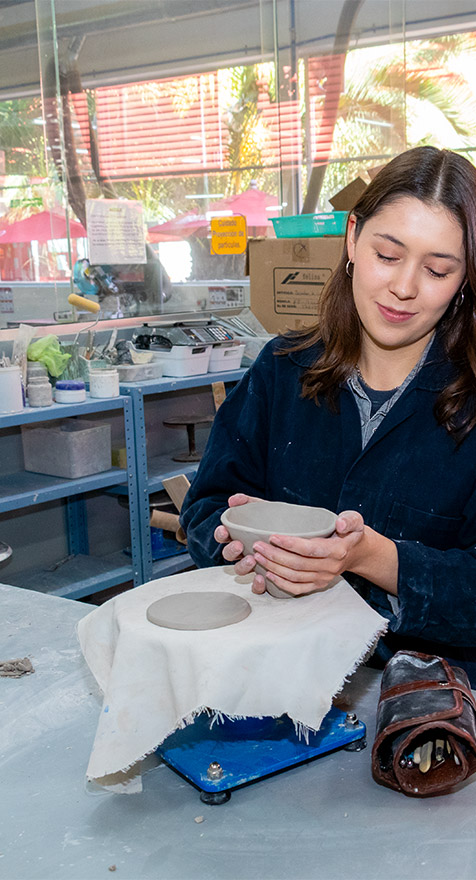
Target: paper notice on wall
x,y
116,233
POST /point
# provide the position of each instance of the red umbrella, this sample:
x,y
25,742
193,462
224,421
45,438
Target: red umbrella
x,y
43,226
179,227
255,205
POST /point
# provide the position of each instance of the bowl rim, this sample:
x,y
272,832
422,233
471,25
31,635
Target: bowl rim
x,y
313,533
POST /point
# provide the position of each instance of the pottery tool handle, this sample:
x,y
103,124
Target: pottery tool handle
x,y
160,519
82,303
176,488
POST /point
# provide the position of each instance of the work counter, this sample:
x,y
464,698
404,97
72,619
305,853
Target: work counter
x,y
324,819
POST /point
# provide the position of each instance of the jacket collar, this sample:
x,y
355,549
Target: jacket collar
x,y
435,374
437,371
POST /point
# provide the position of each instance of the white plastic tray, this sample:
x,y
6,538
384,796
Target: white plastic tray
x,y
185,360
226,357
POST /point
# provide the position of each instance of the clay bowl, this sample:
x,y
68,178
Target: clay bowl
x,y
258,520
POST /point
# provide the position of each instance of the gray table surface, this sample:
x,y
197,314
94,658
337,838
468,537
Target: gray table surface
x,y
325,819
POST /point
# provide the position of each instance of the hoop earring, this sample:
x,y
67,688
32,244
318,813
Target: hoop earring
x,y
459,299
347,268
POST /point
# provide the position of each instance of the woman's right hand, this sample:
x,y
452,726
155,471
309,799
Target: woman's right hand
x,y
233,550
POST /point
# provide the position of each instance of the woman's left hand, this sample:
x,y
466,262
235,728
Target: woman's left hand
x,y
304,565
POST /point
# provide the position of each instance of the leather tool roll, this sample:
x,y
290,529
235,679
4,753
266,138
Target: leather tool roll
x,y
425,710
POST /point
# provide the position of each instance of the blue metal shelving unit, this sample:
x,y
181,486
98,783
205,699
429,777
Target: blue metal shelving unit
x,y
79,574
150,474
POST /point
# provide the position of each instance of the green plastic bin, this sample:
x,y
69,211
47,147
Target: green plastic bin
x,y
310,225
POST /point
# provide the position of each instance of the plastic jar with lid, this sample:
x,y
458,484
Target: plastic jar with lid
x,y
104,382
39,391
70,391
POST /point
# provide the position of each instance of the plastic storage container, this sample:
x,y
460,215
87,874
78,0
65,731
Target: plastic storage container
x,y
186,360
226,357
139,372
310,225
69,448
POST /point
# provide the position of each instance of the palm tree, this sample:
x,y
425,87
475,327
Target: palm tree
x,y
418,94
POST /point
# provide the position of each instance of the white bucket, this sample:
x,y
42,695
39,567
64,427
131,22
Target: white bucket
x,y
11,397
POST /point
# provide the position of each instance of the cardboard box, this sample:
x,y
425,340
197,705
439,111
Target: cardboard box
x,y
287,276
346,198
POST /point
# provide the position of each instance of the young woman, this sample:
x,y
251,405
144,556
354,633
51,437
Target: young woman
x,y
370,413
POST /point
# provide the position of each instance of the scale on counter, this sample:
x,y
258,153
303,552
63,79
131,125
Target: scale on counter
x,y
220,756
162,336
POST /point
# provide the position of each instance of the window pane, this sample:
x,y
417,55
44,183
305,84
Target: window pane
x,y
205,108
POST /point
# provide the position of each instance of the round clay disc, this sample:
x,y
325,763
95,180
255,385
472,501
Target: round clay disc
x,y
198,610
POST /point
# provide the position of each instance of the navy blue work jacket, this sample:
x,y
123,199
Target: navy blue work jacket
x,y
411,483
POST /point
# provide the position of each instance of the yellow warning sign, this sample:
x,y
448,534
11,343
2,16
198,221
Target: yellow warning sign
x,y
228,235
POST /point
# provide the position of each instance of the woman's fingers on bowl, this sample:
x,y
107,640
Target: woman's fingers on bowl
x,y
258,585
233,551
286,574
306,547
297,568
349,521
294,553
240,498
221,534
245,565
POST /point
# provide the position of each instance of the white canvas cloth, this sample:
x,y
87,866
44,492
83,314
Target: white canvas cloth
x,y
288,656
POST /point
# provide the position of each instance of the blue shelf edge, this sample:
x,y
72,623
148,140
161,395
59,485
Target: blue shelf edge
x,y
53,488
174,383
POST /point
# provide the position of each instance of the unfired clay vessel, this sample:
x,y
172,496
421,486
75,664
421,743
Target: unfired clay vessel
x,y
198,611
258,520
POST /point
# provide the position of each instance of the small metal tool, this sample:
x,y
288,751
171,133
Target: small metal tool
x,y
426,752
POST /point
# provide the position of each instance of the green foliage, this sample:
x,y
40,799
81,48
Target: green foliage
x,y
395,96
398,97
21,138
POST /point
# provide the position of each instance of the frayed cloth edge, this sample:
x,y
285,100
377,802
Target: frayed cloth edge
x,y
302,730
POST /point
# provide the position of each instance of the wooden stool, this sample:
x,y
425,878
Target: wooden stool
x,y
190,423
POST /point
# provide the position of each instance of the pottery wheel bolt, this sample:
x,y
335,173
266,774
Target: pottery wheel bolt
x,y
351,719
215,770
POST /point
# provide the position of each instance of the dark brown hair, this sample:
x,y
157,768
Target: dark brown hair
x,y
434,176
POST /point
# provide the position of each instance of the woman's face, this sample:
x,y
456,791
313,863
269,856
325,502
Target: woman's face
x,y
409,262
